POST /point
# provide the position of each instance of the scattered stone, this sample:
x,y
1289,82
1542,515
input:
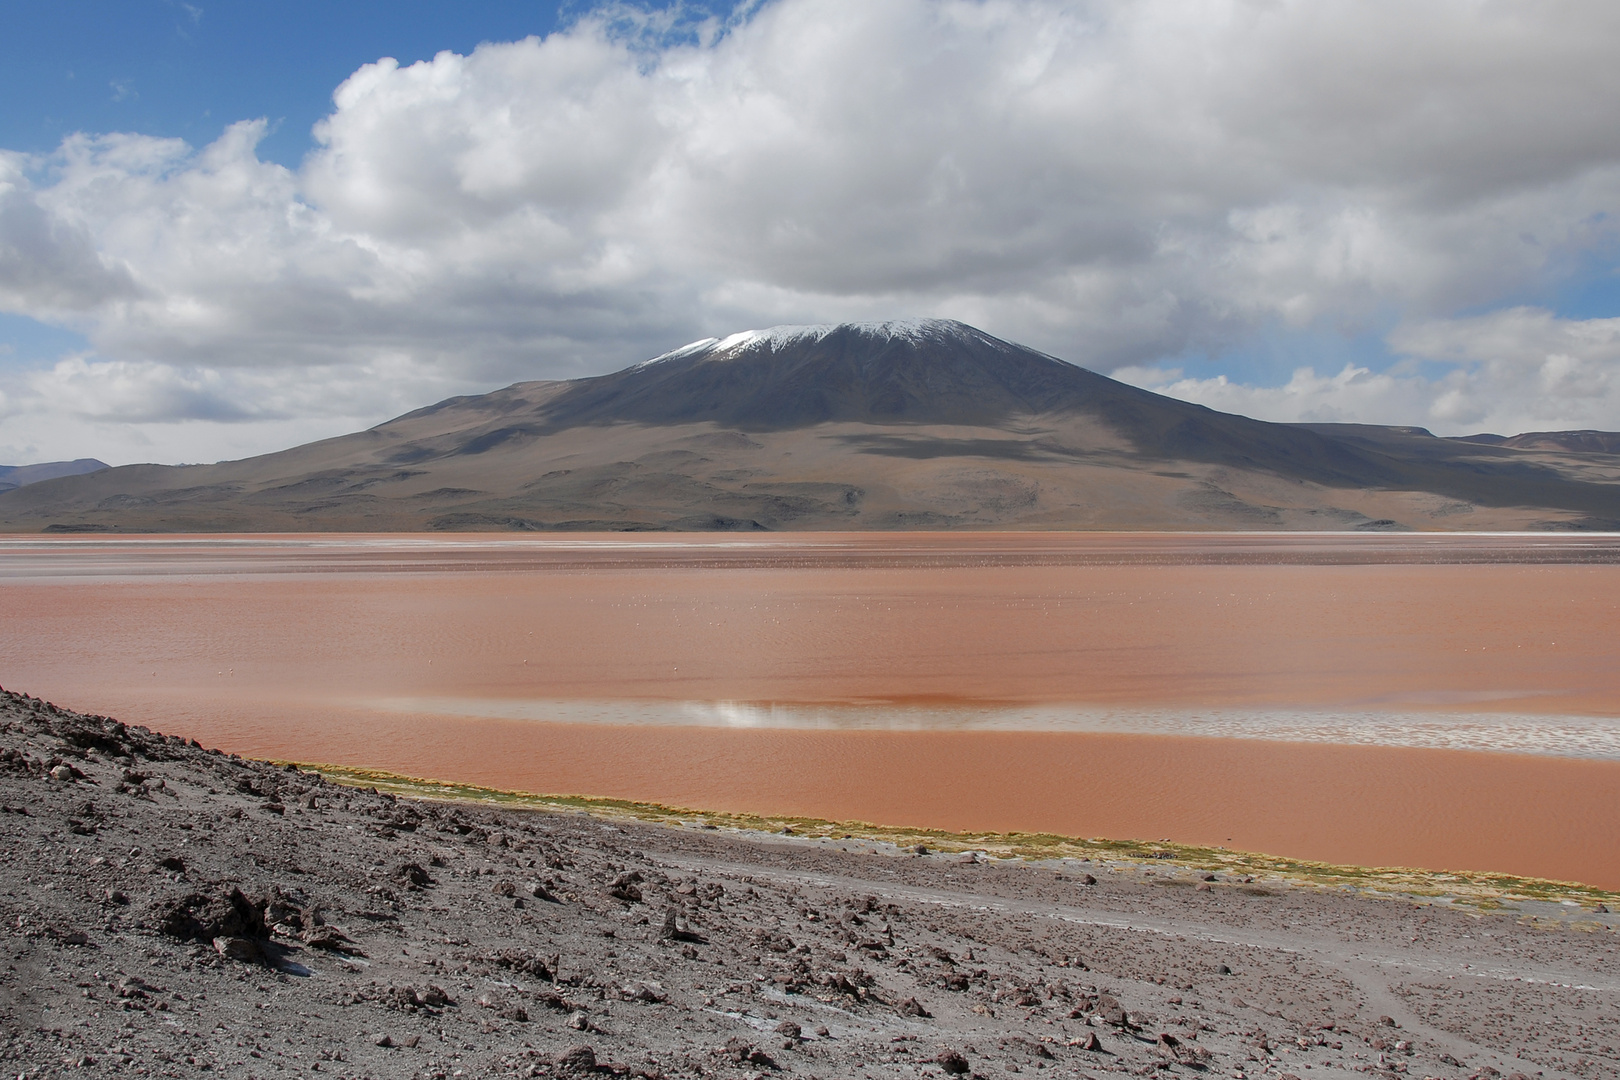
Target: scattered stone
x,y
204,917
1110,1011
676,928
625,887
330,939
246,950
526,963
578,1059
952,1062
413,876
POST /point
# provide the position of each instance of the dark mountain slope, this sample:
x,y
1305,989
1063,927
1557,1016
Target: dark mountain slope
x,y
933,372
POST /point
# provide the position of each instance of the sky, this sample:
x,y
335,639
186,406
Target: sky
x,y
226,229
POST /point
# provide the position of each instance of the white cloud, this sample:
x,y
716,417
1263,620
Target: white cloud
x,y
1521,369
1112,182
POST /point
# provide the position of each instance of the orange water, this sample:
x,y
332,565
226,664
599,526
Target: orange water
x,y
404,654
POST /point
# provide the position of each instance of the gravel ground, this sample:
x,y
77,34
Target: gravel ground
x,y
175,911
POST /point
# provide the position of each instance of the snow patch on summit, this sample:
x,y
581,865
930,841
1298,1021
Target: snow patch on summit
x,y
775,337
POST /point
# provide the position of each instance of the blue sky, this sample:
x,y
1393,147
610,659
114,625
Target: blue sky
x,y
1355,210
163,67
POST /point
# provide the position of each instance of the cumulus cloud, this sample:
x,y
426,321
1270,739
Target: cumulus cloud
x,y
1113,182
49,266
1520,369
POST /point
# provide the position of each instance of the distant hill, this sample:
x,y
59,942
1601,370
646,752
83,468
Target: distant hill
x,y
1575,442
928,424
16,476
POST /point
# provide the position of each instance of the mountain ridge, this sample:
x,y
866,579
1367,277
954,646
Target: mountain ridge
x,y
16,476
905,424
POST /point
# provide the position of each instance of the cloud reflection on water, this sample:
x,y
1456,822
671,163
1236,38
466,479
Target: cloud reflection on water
x,y
1595,737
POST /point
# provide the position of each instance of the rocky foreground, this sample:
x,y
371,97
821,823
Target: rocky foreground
x,y
175,911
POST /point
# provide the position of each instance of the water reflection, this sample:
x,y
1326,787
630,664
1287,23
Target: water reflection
x,y
1560,736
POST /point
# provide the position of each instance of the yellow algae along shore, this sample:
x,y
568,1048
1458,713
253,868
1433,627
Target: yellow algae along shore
x,y
1433,701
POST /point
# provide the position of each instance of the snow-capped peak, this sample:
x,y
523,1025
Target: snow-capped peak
x,y
777,336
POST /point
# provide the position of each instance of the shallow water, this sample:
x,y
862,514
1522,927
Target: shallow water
x,y
1419,700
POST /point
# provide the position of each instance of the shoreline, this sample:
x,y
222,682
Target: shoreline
x,y
1482,891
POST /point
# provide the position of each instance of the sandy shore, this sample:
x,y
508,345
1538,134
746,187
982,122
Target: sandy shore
x,y
378,936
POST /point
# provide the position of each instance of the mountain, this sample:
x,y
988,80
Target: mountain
x,y
16,476
922,424
1580,442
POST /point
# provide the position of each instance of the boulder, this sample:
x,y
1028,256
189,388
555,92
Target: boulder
x,y
204,917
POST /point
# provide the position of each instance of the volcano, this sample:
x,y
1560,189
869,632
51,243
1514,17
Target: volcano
x,y
916,424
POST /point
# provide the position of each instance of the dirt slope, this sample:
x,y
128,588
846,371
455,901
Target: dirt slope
x,y
171,911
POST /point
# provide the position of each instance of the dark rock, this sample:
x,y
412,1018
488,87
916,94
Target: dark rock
x,y
414,876
910,1007
578,1059
1111,1011
330,939
953,1063
409,999
624,887
247,950
789,1029
527,963
200,917
675,928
